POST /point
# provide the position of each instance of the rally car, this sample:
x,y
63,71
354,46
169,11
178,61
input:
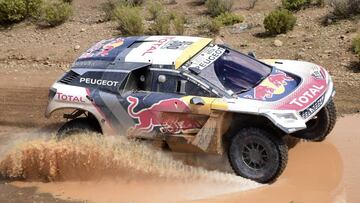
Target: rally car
x,y
189,94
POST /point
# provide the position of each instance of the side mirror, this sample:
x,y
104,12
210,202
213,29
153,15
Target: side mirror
x,y
252,54
162,78
197,101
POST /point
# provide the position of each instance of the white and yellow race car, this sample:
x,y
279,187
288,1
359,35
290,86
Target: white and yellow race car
x,y
192,95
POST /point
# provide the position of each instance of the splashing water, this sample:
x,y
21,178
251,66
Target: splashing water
x,y
91,157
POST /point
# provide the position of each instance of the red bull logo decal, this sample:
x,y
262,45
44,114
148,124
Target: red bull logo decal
x,y
149,118
273,84
103,48
110,46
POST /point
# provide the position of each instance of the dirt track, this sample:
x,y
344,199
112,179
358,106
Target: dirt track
x,y
321,172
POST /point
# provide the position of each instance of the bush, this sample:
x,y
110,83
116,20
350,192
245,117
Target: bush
x,y
217,7
345,8
155,8
161,25
356,45
67,1
279,21
214,26
229,18
129,20
295,5
135,2
179,23
54,13
12,11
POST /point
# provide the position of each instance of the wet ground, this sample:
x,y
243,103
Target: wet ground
x,y
316,172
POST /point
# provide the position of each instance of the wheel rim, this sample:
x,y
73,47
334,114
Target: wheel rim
x,y
254,155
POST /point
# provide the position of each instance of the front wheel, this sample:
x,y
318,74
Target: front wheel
x,y
321,125
255,154
77,126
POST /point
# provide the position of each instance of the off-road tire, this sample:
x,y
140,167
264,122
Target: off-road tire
x,y
245,163
318,128
76,126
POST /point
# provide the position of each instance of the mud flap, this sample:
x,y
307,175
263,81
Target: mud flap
x,y
209,138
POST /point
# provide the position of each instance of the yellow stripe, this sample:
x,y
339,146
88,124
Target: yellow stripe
x,y
191,51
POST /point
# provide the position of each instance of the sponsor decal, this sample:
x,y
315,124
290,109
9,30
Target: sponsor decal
x,y
149,118
307,96
92,81
103,48
69,98
176,44
205,58
273,84
157,44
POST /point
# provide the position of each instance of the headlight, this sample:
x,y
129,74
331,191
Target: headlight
x,y
286,117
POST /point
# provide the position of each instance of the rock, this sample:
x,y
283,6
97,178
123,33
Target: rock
x,y
300,55
343,37
77,47
329,21
82,30
278,43
239,28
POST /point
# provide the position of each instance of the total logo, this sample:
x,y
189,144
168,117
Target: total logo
x,y
69,98
307,96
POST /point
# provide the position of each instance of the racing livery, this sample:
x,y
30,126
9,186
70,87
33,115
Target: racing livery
x,y
192,95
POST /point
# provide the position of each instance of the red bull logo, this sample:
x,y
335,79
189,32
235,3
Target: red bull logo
x,y
110,46
274,84
103,48
149,118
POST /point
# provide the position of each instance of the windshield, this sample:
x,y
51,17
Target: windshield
x,y
238,72
227,69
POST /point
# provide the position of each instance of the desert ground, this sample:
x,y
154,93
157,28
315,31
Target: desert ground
x,y
32,59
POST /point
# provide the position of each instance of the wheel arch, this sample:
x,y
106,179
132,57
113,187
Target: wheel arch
x,y
93,116
241,120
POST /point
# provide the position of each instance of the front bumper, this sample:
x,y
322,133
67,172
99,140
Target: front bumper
x,y
290,121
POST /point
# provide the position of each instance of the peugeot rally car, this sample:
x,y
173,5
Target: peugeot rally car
x,y
188,94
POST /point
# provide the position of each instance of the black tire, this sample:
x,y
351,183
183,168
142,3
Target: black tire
x,y
76,126
255,154
319,127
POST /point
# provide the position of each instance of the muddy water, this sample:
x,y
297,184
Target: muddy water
x,y
113,171
316,172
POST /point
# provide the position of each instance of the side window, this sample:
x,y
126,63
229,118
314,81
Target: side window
x,y
193,89
174,83
138,80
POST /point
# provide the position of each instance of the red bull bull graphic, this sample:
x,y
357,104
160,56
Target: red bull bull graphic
x,y
154,116
103,48
274,87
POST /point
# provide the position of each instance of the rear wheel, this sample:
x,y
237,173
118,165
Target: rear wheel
x,y
257,155
77,126
321,125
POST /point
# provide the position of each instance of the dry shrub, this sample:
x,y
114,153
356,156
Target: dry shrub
x,y
129,20
295,5
217,7
345,8
54,13
154,8
356,45
279,21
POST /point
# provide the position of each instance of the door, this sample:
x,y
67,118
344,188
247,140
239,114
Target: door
x,y
181,106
